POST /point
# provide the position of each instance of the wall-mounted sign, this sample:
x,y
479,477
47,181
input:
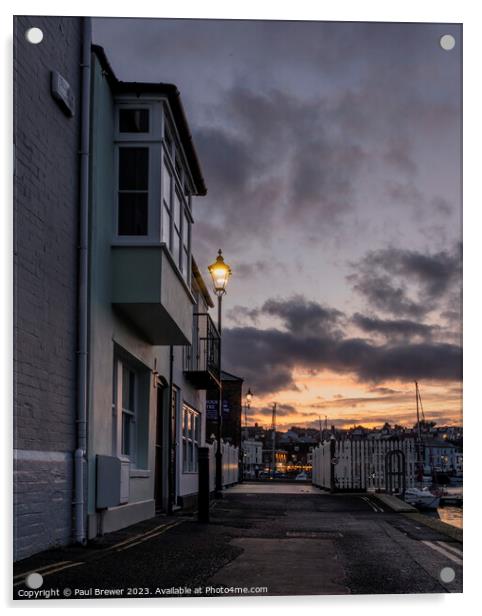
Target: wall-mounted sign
x,y
212,409
62,93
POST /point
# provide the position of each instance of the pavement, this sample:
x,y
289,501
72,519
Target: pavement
x,y
263,539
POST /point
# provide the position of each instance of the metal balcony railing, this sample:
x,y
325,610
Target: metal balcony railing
x,y
201,359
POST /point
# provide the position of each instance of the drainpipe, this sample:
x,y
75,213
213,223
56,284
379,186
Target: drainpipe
x,y
171,438
81,451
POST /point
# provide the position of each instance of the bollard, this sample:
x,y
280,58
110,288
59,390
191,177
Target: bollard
x,y
203,485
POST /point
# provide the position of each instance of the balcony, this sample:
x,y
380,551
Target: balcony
x,y
201,359
148,291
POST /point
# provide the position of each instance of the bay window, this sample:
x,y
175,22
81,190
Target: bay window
x,y
153,181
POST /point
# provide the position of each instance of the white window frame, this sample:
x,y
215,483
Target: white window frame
x,y
191,438
160,121
120,411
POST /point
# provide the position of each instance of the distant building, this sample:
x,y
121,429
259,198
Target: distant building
x,y
252,458
442,456
232,387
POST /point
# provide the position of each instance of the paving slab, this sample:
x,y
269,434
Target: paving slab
x,y
292,566
274,488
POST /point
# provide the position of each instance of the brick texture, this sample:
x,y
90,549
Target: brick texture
x,y
46,194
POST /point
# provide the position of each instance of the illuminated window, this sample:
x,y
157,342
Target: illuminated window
x,y
191,434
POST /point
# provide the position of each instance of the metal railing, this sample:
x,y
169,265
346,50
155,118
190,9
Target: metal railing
x,y
202,357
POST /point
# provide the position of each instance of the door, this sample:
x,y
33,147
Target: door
x,y
159,480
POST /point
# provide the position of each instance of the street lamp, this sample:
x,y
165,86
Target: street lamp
x,y
220,273
249,397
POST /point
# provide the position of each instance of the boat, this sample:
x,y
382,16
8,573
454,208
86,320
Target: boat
x,y
422,498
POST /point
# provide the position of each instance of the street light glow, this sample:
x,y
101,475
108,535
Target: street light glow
x,y
220,273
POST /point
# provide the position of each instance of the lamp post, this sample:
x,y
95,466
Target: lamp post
x,y
247,406
249,397
220,273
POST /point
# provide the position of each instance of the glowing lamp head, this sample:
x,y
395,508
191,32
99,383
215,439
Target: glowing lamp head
x,y
249,396
220,273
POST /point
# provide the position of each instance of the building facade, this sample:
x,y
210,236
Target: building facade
x,y
252,452
149,327
151,349
232,392
46,208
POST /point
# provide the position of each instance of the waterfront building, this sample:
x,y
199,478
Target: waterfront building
x,y
153,347
252,457
114,347
442,456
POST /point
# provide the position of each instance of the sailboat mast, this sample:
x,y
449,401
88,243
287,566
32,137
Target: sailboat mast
x,y
273,443
419,437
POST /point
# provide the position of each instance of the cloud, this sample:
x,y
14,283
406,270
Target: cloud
x,y
393,328
303,316
384,390
300,171
381,291
267,358
408,282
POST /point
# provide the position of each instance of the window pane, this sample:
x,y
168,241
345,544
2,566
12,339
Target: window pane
x,y
134,120
176,246
132,213
178,168
125,388
133,168
126,434
198,427
166,225
185,268
177,210
166,185
168,140
132,390
185,231
184,454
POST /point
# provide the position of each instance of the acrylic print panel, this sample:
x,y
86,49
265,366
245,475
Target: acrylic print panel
x,y
237,308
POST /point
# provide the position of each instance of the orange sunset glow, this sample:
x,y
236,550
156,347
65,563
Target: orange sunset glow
x,y
345,402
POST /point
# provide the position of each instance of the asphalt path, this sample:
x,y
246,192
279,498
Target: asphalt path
x,y
270,539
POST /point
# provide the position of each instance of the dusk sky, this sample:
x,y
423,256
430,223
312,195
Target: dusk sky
x,y
332,157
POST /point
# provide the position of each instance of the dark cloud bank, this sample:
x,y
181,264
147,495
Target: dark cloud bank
x,y
316,337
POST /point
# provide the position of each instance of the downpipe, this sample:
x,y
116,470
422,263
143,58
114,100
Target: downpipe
x,y
82,358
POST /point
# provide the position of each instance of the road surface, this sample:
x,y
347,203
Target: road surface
x,y
263,539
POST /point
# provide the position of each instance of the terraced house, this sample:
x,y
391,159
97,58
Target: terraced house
x,y
145,347
148,304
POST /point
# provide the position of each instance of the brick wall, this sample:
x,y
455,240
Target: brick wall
x,y
45,269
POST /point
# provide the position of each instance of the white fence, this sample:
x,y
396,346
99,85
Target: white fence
x,y
361,464
230,464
